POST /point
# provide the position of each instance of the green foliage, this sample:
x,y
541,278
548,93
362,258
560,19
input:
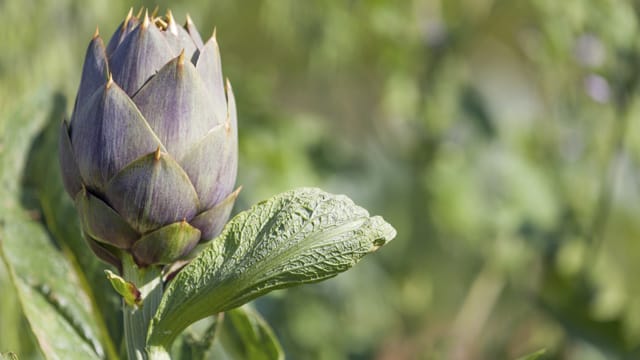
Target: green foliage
x,y
59,313
8,356
246,335
62,315
237,334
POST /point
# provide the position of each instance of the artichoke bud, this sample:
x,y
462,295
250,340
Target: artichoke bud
x,y
150,153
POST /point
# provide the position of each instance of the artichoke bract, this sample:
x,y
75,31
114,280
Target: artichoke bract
x,y
150,153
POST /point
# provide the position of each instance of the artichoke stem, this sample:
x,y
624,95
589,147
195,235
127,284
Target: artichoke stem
x,y
136,319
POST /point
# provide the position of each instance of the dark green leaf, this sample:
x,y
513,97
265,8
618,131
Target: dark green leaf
x,y
32,193
57,309
245,335
197,341
240,333
300,236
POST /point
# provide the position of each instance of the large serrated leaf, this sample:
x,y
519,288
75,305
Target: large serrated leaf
x,y
300,236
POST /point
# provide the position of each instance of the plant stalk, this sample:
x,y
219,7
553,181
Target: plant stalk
x,y
137,318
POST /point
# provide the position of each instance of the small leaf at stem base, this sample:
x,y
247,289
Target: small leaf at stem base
x,y
126,289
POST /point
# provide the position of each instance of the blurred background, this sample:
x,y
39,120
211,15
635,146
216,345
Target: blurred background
x,y
501,138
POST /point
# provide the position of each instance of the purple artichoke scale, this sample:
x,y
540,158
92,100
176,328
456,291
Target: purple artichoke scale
x,y
150,154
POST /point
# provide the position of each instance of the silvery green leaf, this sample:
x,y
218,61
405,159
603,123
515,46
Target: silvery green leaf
x,y
300,236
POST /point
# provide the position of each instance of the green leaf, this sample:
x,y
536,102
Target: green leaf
x,y
129,292
48,284
42,185
58,311
300,236
198,339
246,335
8,356
534,356
240,333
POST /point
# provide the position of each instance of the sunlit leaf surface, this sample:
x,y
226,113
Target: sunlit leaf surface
x,y
299,236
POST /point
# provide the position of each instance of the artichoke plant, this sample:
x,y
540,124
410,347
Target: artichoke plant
x,y
150,158
150,152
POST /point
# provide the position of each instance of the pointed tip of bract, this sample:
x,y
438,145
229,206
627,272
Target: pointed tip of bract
x,y
139,14
230,122
109,81
227,88
214,38
171,23
180,62
191,29
96,34
157,154
146,21
154,13
128,17
227,125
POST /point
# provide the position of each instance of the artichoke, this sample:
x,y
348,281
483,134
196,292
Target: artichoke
x,y
150,152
